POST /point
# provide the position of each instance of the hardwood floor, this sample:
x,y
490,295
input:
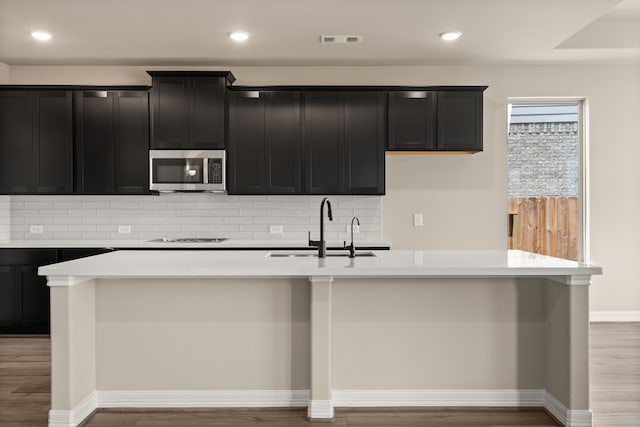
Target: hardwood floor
x,y
25,381
615,374
615,370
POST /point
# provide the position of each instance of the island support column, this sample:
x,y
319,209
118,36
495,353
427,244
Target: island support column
x,y
321,403
73,350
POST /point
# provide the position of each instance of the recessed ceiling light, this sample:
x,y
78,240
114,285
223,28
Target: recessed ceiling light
x,y
41,35
239,36
450,35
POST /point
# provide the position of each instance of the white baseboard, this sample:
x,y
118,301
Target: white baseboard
x,y
615,316
320,409
568,417
201,398
373,398
72,418
317,408
462,398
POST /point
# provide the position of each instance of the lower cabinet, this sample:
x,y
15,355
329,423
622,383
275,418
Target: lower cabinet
x,y
24,296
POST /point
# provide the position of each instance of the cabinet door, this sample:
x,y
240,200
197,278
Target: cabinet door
x,y
411,120
364,143
131,142
246,143
34,307
323,139
54,134
283,141
8,298
94,142
207,113
460,121
169,112
17,143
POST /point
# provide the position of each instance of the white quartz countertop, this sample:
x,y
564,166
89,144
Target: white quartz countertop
x,y
392,263
143,244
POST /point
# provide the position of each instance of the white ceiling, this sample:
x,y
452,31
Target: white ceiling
x,y
286,32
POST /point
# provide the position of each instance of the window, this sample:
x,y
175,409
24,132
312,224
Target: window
x,y
545,178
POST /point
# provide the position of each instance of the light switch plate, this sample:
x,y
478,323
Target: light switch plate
x,y
36,229
417,220
356,228
275,229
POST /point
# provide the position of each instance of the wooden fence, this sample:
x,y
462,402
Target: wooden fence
x,y
544,225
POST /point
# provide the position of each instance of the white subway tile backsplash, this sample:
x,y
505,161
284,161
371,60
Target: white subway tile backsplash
x,y
243,220
96,220
82,227
90,235
67,219
95,205
184,215
254,227
38,205
212,220
67,235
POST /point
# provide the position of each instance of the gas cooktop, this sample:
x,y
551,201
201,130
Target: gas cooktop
x,y
191,240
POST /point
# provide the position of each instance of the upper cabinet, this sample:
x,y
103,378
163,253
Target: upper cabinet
x,y
412,120
444,119
344,142
112,142
188,109
36,141
265,156
459,124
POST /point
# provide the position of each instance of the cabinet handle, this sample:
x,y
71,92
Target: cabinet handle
x,y
414,95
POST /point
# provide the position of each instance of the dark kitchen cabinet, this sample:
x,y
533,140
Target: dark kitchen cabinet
x,y
24,296
36,140
131,142
188,109
344,142
24,306
364,133
435,120
264,142
112,142
459,121
412,120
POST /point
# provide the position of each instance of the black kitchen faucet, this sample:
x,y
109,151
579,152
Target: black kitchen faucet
x,y
322,244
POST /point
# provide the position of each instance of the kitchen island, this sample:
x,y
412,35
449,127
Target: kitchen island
x,y
245,328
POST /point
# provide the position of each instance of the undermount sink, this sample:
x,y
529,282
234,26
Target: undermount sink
x,y
315,255
191,240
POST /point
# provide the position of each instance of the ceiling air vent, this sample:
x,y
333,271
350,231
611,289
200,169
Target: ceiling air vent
x,y
332,39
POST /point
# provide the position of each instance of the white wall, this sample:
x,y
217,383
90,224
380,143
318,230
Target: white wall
x,y
4,200
463,198
4,73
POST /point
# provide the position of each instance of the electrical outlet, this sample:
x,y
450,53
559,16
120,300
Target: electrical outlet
x,y
124,229
36,229
356,228
275,229
417,220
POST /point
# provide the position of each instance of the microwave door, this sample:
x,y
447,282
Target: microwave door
x,y
170,174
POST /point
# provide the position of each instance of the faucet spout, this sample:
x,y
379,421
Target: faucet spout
x,y
352,247
322,244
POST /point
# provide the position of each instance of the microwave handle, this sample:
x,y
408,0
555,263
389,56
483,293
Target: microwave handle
x,y
205,172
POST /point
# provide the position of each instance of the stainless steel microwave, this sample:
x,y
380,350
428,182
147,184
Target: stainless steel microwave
x,y
187,170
